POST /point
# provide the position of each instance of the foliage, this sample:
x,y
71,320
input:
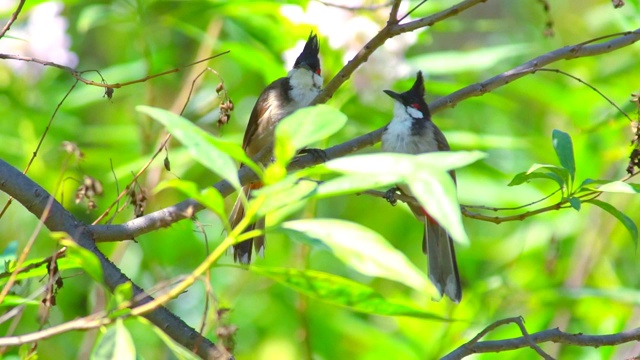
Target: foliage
x,y
344,274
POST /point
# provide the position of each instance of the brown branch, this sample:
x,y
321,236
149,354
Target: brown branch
x,y
13,18
554,335
393,13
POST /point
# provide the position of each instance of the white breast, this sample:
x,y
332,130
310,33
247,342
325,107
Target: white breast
x,y
305,86
398,136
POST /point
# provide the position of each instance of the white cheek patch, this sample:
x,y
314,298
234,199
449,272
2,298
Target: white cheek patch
x,y
317,81
415,113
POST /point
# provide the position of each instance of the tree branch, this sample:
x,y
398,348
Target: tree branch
x,y
34,198
13,18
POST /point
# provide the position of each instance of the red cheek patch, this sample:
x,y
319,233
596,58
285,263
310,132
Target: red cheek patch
x,y
318,71
415,106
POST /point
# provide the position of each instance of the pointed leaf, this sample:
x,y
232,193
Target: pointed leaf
x,y
305,127
178,351
209,197
87,260
564,149
215,155
436,192
619,187
523,177
116,344
624,219
390,164
340,291
362,249
575,202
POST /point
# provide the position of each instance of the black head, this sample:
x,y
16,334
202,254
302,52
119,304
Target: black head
x,y
413,97
309,56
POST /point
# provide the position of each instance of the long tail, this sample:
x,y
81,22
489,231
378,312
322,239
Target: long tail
x,y
443,268
242,250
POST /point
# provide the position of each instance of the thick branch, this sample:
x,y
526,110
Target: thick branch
x,y
185,209
34,198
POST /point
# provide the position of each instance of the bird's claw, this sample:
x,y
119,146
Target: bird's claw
x,y
316,153
390,196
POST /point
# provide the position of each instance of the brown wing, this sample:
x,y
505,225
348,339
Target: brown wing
x,y
276,93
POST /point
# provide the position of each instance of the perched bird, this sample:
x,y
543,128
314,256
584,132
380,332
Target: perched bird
x,y
281,98
411,131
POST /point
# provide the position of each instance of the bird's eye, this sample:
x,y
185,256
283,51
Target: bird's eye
x,y
415,106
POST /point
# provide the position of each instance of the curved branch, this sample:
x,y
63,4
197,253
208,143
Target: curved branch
x,y
185,209
34,198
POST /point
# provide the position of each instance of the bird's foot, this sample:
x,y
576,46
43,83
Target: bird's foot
x,y
390,195
318,154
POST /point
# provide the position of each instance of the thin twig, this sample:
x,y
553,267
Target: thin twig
x,y
589,86
78,74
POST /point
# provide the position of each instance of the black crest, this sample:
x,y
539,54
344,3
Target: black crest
x,y
309,55
413,97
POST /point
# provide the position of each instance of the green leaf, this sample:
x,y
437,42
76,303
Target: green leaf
x,y
624,219
305,127
575,202
212,153
14,300
526,176
555,173
87,260
353,183
362,249
115,344
619,187
119,304
40,271
283,198
564,149
401,165
436,192
209,197
340,291
9,254
178,351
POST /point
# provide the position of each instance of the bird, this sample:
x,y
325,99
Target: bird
x,y
411,131
281,98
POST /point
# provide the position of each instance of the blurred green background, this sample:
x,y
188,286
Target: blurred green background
x,y
567,269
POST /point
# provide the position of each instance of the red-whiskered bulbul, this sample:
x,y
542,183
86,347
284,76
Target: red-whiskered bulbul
x,y
281,98
411,131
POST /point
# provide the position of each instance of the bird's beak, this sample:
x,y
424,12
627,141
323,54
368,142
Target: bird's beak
x,y
394,95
